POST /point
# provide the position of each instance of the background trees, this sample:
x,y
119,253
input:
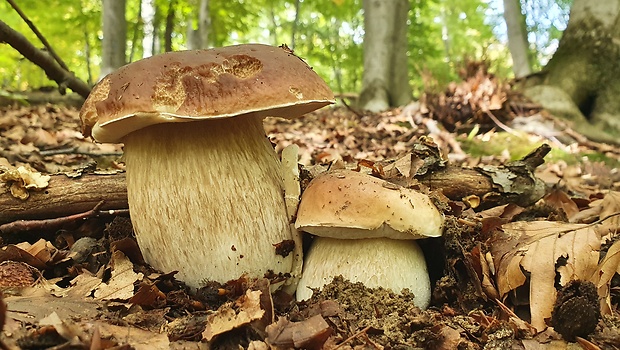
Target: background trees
x,y
389,51
327,33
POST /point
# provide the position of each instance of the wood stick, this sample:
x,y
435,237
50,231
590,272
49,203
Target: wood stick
x,y
65,196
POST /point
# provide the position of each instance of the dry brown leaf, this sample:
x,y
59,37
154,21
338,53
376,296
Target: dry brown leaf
x,y
120,285
41,254
559,199
233,315
609,266
137,338
610,205
544,249
308,334
36,303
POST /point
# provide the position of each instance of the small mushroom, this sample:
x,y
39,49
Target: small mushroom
x,y
365,230
204,184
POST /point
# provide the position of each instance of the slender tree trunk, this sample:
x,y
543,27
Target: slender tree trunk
x,y
198,38
148,29
400,89
386,80
169,26
89,70
137,26
295,24
517,38
581,82
204,23
114,36
273,33
445,35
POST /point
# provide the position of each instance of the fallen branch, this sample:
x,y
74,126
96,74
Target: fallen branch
x,y
53,71
65,196
57,223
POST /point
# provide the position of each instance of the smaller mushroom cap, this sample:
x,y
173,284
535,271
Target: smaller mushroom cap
x,y
346,204
194,85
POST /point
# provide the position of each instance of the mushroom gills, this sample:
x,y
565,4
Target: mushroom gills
x,y
206,199
378,262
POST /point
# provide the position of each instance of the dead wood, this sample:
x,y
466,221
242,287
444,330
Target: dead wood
x,y
487,186
65,196
42,59
480,190
480,187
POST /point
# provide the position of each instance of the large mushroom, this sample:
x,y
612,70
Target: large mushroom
x,y
203,182
365,230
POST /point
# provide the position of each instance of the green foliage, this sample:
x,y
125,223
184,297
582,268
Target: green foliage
x,y
328,34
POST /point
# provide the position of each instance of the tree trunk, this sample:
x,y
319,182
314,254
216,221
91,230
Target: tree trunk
x,y
114,36
295,24
169,26
400,90
273,32
517,38
204,23
386,80
198,38
148,19
581,82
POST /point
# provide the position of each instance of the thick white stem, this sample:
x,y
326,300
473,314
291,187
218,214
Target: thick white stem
x,y
206,199
376,262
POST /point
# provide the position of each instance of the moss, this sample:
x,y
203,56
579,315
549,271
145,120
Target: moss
x,y
519,146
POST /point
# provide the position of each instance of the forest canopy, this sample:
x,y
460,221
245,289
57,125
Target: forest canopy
x,y
442,34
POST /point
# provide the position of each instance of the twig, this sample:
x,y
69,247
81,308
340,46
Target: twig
x,y
357,113
74,150
38,34
50,224
352,337
497,122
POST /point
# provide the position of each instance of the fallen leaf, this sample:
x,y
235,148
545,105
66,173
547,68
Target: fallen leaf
x,y
234,315
609,266
307,334
137,338
559,199
543,249
120,285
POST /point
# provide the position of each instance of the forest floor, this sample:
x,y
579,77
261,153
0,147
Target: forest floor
x,y
541,273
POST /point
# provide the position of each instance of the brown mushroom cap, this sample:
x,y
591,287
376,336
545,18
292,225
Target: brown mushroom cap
x,y
202,84
346,204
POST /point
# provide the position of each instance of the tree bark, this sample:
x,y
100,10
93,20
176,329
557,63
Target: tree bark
x,y
65,196
114,36
170,15
295,23
386,80
147,12
517,38
198,38
581,82
204,23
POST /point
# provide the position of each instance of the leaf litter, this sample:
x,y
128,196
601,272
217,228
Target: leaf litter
x,y
500,274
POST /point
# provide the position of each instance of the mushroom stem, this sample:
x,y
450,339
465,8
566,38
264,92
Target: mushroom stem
x,y
375,262
206,199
